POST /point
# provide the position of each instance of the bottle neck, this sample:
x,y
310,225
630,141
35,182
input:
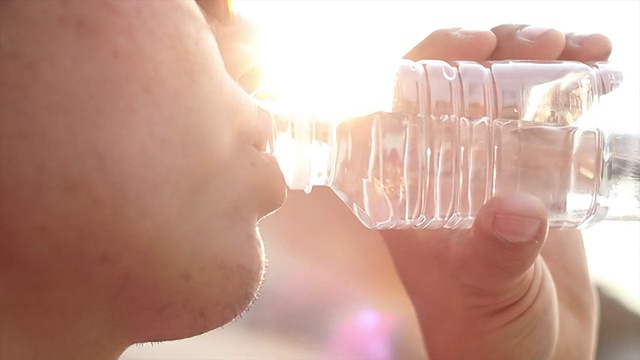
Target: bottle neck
x,y
304,149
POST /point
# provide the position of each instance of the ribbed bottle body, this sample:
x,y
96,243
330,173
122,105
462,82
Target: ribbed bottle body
x,y
453,135
392,175
458,134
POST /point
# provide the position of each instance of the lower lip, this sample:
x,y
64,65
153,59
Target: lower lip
x,y
275,165
272,159
273,183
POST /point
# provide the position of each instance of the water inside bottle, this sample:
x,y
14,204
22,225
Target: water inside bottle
x,y
399,170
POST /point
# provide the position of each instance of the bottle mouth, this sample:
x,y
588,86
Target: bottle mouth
x,y
287,138
292,147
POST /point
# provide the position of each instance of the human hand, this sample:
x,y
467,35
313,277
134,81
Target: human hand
x,y
507,288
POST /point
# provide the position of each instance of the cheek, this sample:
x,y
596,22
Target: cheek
x,y
191,257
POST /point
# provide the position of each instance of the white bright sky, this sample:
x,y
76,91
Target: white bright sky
x,y
319,40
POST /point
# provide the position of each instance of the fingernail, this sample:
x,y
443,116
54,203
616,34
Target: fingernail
x,y
576,39
516,229
469,32
531,33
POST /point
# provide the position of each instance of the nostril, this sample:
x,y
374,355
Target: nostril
x,y
251,79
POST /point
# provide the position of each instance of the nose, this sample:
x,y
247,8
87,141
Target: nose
x,y
239,44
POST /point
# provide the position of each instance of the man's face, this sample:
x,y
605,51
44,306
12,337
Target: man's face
x,y
132,172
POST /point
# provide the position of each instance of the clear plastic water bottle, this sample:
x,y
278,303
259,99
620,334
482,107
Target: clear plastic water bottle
x,y
453,135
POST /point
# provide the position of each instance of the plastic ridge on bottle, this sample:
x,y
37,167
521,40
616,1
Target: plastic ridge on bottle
x,y
453,135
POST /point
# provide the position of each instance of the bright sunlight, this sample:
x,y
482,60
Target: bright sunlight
x,y
321,52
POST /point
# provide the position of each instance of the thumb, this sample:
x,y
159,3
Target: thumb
x,y
480,285
505,241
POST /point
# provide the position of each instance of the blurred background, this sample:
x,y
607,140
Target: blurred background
x,y
331,291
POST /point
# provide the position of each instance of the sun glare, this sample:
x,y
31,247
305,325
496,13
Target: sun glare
x,y
324,70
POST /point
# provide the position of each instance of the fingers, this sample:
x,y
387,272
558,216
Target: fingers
x,y
455,44
527,42
586,47
511,41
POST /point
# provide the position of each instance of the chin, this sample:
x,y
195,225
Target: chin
x,y
241,288
221,286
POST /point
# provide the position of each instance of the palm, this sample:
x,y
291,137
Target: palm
x,y
565,258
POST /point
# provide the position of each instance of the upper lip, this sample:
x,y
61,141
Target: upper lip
x,y
263,132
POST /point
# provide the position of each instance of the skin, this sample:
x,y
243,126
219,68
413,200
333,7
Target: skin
x,y
132,183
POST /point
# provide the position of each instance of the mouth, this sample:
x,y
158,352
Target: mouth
x,y
273,186
263,134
